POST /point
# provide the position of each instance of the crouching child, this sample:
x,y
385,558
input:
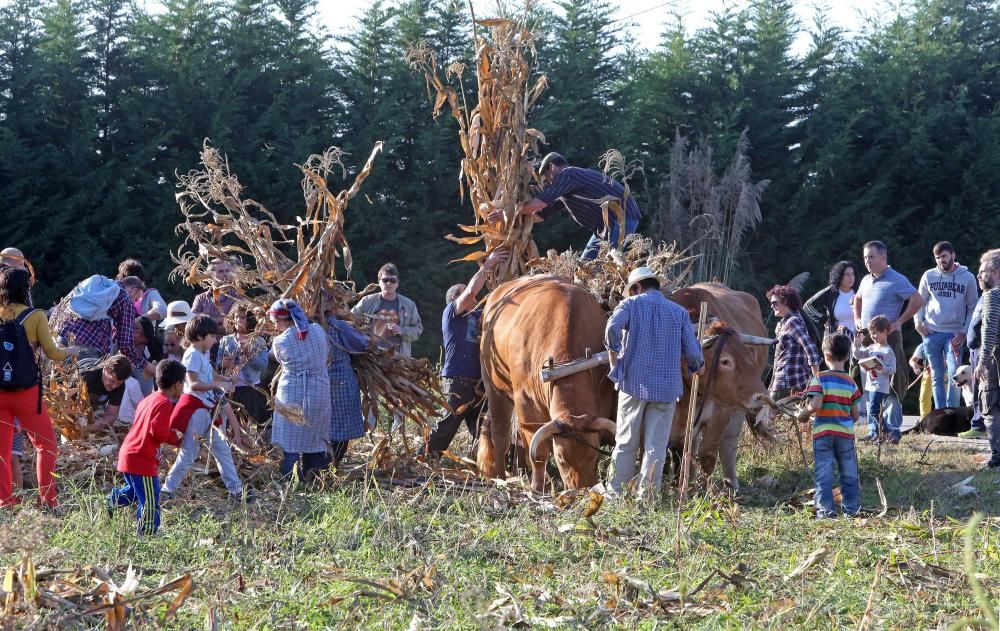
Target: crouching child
x,y
833,398
139,456
194,411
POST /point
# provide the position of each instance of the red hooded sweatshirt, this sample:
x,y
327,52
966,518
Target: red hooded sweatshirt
x,y
140,451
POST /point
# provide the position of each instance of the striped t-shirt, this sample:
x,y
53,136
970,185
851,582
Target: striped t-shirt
x,y
839,393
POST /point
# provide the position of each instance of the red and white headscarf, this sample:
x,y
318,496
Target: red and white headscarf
x,y
285,308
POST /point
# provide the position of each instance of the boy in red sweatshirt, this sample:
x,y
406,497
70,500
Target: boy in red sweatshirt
x,y
139,456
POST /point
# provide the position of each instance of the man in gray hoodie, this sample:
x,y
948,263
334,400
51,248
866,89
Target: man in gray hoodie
x,y
950,294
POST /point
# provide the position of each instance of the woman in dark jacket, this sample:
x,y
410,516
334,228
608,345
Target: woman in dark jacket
x,y
831,309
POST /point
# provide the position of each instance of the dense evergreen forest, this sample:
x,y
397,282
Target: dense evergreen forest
x,y
891,134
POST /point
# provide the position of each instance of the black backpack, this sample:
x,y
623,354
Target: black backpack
x,y
18,368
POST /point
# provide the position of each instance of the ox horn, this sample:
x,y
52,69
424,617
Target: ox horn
x,y
545,432
705,343
602,424
756,340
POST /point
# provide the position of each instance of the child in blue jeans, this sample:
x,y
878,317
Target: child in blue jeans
x,y
833,398
878,382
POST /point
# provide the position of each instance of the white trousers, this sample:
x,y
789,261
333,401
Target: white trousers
x,y
648,423
200,425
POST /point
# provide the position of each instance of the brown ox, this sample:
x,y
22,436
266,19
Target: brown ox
x,y
732,383
525,322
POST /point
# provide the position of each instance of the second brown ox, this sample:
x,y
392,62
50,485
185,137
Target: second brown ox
x,y
731,391
525,322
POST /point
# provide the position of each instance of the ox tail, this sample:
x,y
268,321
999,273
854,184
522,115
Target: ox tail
x,y
495,438
486,457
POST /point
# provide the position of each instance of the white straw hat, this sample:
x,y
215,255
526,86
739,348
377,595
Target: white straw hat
x,y
641,273
178,312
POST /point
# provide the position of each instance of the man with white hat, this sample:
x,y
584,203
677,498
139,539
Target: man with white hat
x,y
646,336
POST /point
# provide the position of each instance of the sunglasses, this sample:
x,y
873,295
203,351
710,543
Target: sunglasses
x,y
775,302
388,279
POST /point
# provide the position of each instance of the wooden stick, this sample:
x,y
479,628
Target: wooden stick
x,y
689,435
559,371
871,598
934,535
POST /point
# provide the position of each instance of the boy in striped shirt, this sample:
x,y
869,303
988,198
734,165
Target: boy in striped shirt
x,y
833,398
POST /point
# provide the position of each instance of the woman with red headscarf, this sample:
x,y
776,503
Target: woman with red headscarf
x,y
302,410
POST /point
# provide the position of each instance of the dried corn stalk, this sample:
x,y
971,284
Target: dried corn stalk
x,y
65,394
497,143
219,222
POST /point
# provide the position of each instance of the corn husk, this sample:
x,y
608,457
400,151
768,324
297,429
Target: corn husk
x,y
606,276
496,140
65,395
73,596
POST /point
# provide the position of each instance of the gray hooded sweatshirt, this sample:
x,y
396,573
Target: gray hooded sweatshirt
x,y
949,299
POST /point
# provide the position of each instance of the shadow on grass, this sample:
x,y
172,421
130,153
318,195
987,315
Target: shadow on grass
x,y
911,478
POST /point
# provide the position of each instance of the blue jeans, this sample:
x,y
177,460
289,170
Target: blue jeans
x,y
884,410
828,450
937,346
892,413
875,401
593,246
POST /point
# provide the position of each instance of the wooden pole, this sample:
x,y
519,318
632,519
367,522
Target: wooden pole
x,y
689,434
558,371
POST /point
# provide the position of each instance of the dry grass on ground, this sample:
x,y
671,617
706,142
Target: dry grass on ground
x,y
426,549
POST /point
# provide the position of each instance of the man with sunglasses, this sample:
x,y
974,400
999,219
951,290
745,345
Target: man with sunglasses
x,y
393,318
580,191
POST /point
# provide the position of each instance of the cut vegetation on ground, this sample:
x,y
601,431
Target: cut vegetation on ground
x,y
426,549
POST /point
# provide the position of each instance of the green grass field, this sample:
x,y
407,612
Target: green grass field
x,y
433,552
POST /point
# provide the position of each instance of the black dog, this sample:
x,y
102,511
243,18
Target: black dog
x,y
946,421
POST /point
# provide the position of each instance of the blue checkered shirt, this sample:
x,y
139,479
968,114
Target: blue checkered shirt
x,y
650,333
117,329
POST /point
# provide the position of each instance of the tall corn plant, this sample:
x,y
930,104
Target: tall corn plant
x,y
497,143
218,222
713,215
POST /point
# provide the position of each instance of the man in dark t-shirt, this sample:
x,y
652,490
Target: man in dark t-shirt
x,y
105,381
386,314
462,373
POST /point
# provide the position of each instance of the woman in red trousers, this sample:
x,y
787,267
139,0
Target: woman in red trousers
x,y
18,400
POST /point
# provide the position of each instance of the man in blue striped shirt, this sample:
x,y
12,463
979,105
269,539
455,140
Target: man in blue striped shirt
x,y
646,336
580,191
